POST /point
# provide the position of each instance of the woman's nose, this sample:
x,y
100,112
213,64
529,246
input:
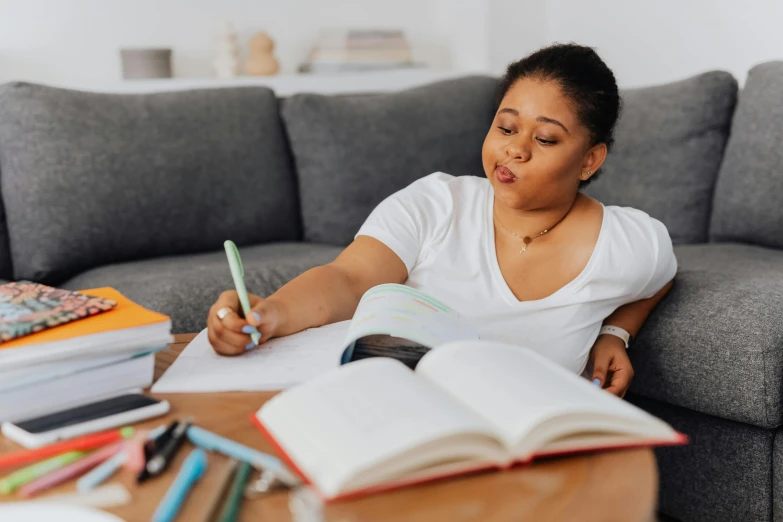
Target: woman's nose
x,y
518,151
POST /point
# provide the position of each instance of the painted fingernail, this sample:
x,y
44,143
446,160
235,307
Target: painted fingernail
x,y
597,381
249,329
250,345
257,316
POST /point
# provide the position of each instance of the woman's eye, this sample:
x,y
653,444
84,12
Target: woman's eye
x,y
546,142
504,130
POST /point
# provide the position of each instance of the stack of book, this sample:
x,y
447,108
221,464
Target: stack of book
x,y
358,50
62,349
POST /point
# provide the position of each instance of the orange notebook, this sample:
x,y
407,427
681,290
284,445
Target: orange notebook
x,y
375,425
126,314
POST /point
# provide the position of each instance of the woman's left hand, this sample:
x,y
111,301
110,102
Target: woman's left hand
x,y
610,355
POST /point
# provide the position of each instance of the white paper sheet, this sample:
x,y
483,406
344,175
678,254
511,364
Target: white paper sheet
x,y
275,365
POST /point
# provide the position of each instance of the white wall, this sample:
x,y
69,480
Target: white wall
x,y
655,42
76,42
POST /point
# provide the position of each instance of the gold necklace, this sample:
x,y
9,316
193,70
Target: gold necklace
x,y
527,239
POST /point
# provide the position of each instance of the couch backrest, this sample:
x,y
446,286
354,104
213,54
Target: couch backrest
x,y
6,267
669,144
747,206
90,179
353,151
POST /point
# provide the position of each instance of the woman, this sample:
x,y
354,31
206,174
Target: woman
x,y
522,253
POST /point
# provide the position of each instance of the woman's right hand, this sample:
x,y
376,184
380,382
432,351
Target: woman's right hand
x,y
231,335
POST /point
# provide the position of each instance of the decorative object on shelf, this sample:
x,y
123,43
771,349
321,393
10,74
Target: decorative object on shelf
x,y
261,60
358,50
225,62
145,63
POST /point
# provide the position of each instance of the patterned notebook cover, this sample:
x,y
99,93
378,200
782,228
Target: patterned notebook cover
x,y
27,308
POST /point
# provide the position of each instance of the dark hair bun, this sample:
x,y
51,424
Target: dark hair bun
x,y
583,77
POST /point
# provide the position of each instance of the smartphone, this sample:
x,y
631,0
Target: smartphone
x,y
113,412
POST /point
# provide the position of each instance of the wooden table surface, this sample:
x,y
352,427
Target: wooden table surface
x,y
604,487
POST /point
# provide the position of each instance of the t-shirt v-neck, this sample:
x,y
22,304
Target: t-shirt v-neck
x,y
491,251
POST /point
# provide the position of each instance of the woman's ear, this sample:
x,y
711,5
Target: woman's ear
x,y
594,158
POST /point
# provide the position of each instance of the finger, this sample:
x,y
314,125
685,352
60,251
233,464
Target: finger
x,y
229,299
232,322
224,348
621,380
257,310
600,367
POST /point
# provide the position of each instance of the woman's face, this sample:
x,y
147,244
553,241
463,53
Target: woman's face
x,y
536,149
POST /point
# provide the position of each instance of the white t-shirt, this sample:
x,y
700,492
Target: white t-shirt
x,y
441,227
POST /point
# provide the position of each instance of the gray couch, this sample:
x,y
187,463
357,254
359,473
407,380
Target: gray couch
x,y
139,192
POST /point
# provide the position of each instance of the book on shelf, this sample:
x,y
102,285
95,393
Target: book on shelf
x,y
358,50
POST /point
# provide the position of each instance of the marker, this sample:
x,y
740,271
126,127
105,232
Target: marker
x,y
110,466
30,473
150,449
238,274
235,496
71,470
86,442
214,442
216,495
192,470
161,460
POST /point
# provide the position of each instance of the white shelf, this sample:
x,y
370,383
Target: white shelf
x,y
285,85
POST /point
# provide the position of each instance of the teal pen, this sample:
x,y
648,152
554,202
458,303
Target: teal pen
x,y
238,274
213,442
191,472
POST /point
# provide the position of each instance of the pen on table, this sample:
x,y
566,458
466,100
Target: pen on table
x,y
192,470
216,499
214,442
110,466
238,274
71,470
81,443
153,450
30,473
162,458
236,494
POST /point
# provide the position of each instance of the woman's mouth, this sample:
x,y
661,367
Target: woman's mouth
x,y
504,175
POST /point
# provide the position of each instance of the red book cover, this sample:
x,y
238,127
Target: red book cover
x,y
389,486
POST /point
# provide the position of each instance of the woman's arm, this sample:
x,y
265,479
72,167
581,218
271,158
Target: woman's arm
x,y
609,354
322,295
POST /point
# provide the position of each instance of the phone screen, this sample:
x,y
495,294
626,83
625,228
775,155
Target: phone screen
x,y
88,412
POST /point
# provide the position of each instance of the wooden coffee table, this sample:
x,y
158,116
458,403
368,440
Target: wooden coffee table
x,y
611,486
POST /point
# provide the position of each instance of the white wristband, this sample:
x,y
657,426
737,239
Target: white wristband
x,y
617,332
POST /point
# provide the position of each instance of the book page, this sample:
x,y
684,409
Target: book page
x,y
371,421
519,391
405,312
277,364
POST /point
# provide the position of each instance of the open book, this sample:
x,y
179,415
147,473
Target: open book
x,y
390,320
374,424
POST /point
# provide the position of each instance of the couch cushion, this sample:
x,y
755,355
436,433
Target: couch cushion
x,y
669,144
714,344
747,195
353,151
92,178
184,287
